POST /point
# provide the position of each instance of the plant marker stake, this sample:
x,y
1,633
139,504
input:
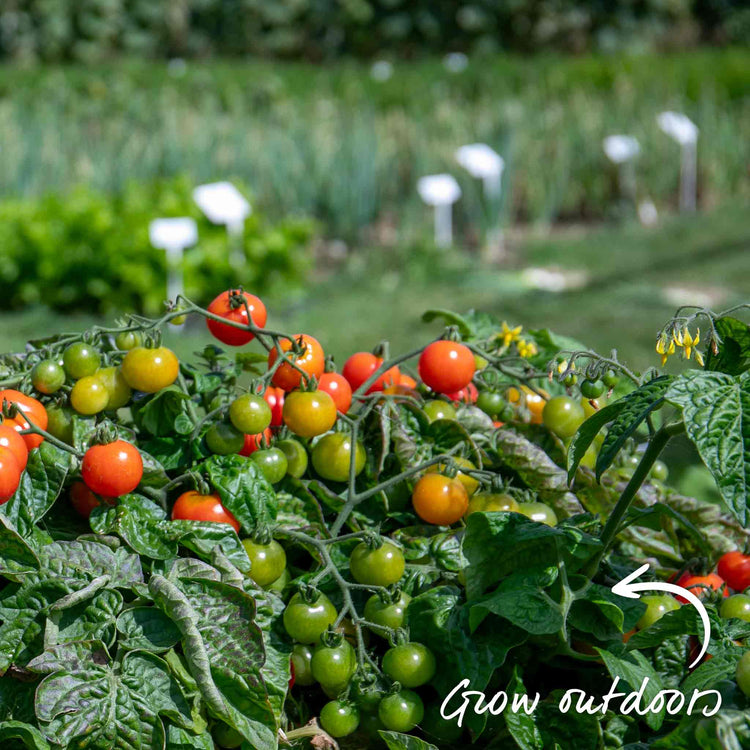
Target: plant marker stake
x,y
682,129
222,203
484,163
440,191
629,588
173,236
622,150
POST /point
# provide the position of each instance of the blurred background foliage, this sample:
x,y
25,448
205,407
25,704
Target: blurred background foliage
x,y
92,30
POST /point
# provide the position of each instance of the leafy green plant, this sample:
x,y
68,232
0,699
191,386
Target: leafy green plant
x,y
142,628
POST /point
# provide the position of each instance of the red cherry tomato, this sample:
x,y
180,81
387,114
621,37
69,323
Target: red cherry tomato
x,y
14,442
192,506
467,395
28,406
275,399
312,361
338,388
446,366
360,366
84,500
734,568
252,442
10,475
407,381
697,584
112,469
222,306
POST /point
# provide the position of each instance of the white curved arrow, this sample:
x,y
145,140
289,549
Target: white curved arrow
x,y
627,587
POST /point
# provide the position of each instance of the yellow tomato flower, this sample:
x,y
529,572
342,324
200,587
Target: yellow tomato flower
x,y
508,334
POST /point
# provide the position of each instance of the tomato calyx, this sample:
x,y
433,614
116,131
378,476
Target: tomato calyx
x,y
308,594
105,434
331,638
263,535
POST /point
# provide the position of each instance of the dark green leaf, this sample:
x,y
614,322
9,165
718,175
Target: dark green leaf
x,y
158,413
682,621
398,741
450,319
146,628
29,736
588,431
562,731
521,725
70,657
181,739
16,556
722,666
93,619
733,356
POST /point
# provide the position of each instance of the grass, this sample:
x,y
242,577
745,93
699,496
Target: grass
x,y
636,278
333,143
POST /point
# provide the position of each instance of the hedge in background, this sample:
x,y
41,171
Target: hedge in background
x,y
90,251
316,29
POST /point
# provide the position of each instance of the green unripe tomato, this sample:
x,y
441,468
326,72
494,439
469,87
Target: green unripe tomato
x,y
279,585
402,711
411,664
332,455
81,359
377,567
444,730
224,439
657,606
302,656
339,718
563,416
47,376
742,675
492,403
250,413
492,501
306,622
89,395
610,379
128,340
333,666
116,385
538,512
387,615
592,388
226,736
659,471
60,423
296,457
272,463
438,409
267,561
737,606
570,380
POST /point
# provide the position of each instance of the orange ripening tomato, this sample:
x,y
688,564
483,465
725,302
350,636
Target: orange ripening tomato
x,y
534,402
112,469
361,365
407,381
32,409
275,399
699,585
252,442
222,306
338,388
312,361
439,499
192,506
84,500
10,475
446,366
14,442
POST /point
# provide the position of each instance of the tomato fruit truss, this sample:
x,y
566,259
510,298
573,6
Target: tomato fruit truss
x,y
233,306
193,506
700,585
112,469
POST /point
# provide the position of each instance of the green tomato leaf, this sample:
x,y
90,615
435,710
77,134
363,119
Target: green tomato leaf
x,y
181,739
722,666
398,741
733,356
17,700
682,621
172,454
600,613
635,407
29,736
157,414
654,516
147,629
566,730
16,556
243,489
70,657
716,411
93,619
41,483
588,431
522,726
204,537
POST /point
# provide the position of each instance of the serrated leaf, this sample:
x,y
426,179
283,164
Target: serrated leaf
x,y
716,411
635,408
733,356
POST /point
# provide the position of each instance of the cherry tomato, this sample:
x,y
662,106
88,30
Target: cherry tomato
x,y
360,366
333,666
267,561
233,306
563,416
127,340
377,567
742,675
84,500
116,385
533,401
592,405
332,456
150,370
301,658
11,440
339,718
10,474
312,361
439,499
280,584
274,397
296,457
592,388
657,605
192,506
250,413
28,409
538,512
446,366
338,388
402,711
468,395
112,469
89,395
387,614
699,585
60,423
407,381
223,439
252,443
272,462
610,379
492,502
734,568
307,621
47,376
659,471
737,606
491,403
309,413
439,410
81,359
411,664
470,484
